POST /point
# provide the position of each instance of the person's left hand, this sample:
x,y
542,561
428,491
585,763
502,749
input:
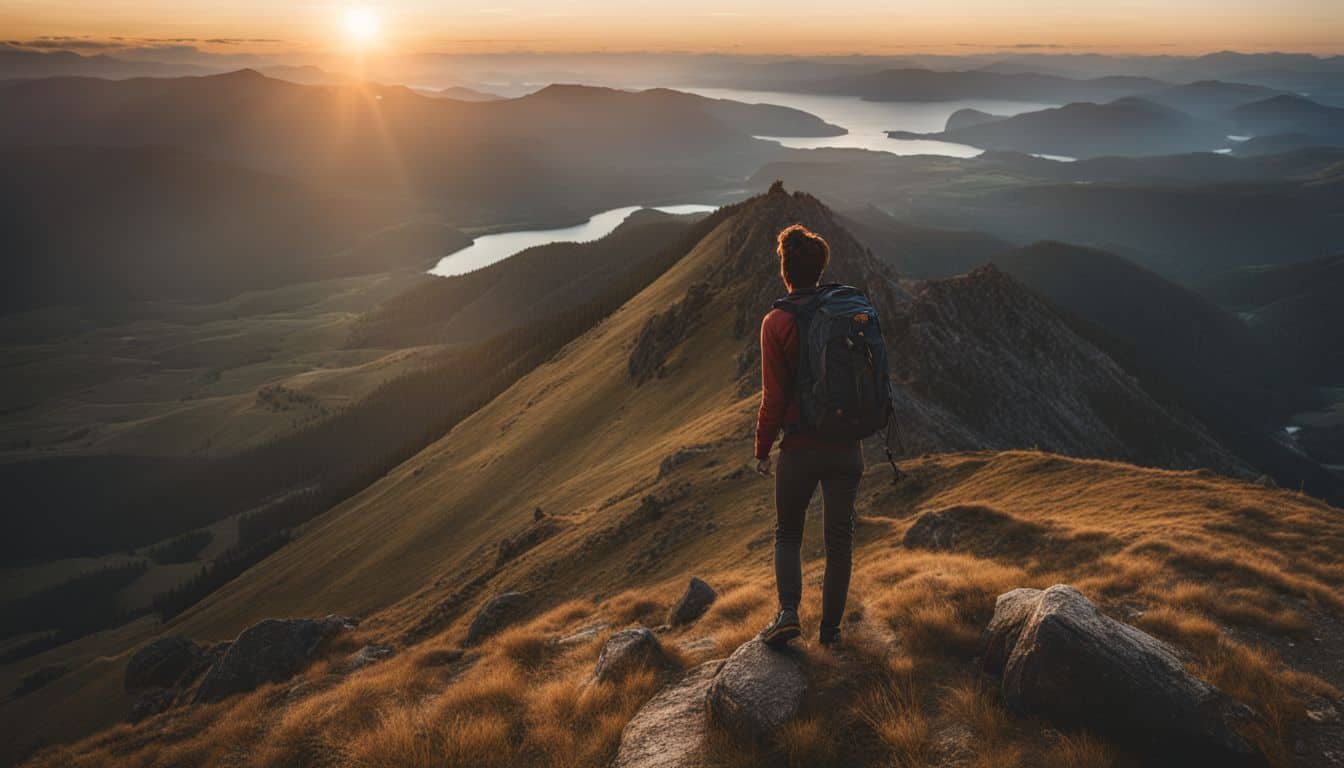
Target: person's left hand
x,y
763,467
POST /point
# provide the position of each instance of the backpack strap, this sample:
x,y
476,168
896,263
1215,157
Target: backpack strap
x,y
803,306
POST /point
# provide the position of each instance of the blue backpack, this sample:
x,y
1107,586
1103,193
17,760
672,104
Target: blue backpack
x,y
843,382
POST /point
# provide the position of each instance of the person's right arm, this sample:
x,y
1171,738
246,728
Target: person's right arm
x,y
777,335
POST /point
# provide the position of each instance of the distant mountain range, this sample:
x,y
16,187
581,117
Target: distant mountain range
x,y
144,224
553,156
929,85
1128,126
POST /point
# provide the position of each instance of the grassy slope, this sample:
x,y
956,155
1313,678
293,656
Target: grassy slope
x,y
1166,550
578,439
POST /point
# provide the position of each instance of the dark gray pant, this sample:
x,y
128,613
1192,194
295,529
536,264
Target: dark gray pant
x,y
796,478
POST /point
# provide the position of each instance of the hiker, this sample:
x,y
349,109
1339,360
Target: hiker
x,y
822,425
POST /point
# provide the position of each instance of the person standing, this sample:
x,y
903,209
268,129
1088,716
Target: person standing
x,y
807,457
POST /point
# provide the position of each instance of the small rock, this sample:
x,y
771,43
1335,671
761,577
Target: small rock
x,y
499,612
693,603
1062,659
369,654
1322,711
161,662
757,691
270,651
941,529
669,730
537,514
627,650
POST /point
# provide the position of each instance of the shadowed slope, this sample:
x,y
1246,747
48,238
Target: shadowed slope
x,y
644,482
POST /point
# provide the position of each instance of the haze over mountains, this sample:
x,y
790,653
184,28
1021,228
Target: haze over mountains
x,y
233,392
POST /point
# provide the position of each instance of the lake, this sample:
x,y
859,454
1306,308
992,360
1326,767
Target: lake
x,y
866,121
869,121
488,249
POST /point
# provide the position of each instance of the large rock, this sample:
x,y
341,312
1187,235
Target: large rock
x,y
499,612
1062,659
269,652
627,650
160,663
757,691
669,730
693,603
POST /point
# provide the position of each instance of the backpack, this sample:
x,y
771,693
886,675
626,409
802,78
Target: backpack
x,y
843,382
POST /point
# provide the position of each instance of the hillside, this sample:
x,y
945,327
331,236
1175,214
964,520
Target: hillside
x,y
147,224
1129,126
594,437
1209,97
930,85
1265,628
544,279
1291,114
918,251
1295,309
556,155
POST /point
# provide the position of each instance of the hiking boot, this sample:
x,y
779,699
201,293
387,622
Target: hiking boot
x,y
781,629
829,638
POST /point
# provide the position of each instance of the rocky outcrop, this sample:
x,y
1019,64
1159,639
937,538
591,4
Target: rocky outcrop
x,y
161,662
628,650
693,603
499,612
669,730
663,332
680,457
981,363
1061,659
958,527
271,651
757,691
541,529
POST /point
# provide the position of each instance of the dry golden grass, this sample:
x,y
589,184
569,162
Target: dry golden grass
x,y
905,692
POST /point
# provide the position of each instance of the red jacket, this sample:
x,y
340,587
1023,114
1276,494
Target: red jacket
x,y
779,365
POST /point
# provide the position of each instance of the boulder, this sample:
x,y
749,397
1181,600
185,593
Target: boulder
x,y
369,654
1063,660
693,603
271,651
499,612
669,730
757,691
161,662
627,650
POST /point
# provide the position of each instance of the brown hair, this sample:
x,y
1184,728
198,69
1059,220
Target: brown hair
x,y
803,256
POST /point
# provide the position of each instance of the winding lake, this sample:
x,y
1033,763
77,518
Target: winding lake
x,y
488,249
866,121
869,121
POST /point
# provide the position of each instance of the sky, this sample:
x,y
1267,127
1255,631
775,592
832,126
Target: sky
x,y
742,26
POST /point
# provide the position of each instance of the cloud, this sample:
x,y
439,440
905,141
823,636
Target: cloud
x,y
66,42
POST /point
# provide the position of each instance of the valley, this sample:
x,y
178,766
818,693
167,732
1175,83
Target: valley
x,y
392,352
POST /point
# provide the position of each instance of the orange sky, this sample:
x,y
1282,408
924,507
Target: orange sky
x,y
747,26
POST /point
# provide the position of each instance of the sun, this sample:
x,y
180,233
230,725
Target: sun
x,y
362,24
